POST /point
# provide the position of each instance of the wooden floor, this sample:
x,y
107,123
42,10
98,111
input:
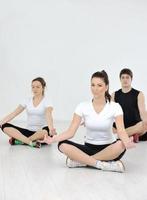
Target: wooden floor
x,y
41,174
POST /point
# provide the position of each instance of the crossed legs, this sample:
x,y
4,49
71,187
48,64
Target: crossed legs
x,y
109,153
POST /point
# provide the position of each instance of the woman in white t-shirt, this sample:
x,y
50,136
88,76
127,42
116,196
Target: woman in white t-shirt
x,y
39,118
100,150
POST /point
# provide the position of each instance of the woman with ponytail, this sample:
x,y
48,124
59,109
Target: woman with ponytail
x,y
39,118
100,149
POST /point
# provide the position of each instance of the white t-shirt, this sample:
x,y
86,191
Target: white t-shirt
x,y
99,125
36,115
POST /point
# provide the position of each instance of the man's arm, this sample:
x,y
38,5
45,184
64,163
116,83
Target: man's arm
x,y
141,106
142,110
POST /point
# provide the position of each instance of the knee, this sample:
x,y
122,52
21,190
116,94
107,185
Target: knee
x,y
119,146
5,127
62,147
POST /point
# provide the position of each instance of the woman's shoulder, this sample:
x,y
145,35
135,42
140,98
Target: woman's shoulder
x,y
82,108
25,101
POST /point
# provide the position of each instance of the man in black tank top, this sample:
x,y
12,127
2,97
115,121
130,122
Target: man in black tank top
x,y
133,104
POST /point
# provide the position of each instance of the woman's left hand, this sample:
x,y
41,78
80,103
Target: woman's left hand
x,y
130,144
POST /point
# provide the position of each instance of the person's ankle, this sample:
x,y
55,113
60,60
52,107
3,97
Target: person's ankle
x,y
31,143
35,144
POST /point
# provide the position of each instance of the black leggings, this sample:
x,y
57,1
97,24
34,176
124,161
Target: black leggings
x,y
24,131
90,149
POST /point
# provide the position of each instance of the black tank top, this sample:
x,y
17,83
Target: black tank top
x,y
129,104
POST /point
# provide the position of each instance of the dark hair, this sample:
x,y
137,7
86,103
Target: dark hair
x,y
42,81
103,75
126,71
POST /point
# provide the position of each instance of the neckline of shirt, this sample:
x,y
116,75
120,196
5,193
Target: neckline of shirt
x,y
98,113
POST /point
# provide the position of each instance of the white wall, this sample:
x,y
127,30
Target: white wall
x,y
65,41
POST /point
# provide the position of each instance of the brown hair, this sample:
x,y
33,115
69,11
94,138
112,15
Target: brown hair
x,y
126,71
42,81
103,75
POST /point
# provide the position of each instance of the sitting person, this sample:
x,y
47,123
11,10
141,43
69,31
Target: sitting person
x,y
133,104
39,118
100,149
